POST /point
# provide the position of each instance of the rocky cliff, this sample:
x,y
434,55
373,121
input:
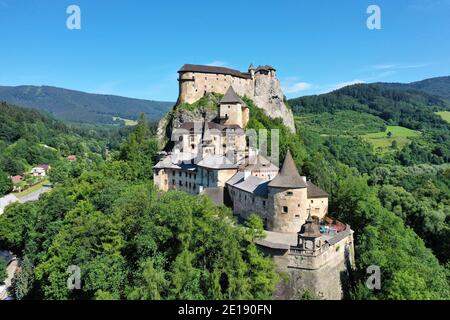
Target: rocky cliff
x,y
269,97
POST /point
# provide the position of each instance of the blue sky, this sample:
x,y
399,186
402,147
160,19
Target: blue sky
x,y
134,48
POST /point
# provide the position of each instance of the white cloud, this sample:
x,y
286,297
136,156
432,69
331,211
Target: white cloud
x,y
297,87
217,63
399,66
339,85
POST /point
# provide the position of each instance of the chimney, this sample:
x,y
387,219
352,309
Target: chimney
x,y
247,173
303,178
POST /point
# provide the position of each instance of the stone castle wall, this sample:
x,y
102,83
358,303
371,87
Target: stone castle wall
x,y
194,85
325,275
264,89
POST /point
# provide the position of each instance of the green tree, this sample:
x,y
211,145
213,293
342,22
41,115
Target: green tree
x,y
5,183
3,273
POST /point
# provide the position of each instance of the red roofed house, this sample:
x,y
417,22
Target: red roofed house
x,y
72,158
16,179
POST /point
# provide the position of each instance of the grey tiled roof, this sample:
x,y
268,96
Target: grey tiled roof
x,y
260,163
212,69
231,97
252,184
314,191
213,161
288,177
265,68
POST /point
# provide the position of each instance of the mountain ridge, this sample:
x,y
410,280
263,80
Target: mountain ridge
x,y
78,106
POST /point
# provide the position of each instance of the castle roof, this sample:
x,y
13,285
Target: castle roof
x,y
213,69
314,191
231,97
288,178
218,162
251,184
260,163
210,125
251,67
265,68
310,229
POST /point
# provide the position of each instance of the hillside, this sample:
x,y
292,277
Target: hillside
x,y
439,86
29,138
412,109
77,106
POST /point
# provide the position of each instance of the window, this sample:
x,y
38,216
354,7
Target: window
x,y
264,203
312,201
192,146
179,173
285,209
173,182
289,193
180,183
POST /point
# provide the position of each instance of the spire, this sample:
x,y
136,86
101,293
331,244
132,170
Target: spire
x,y
231,97
251,67
310,229
288,178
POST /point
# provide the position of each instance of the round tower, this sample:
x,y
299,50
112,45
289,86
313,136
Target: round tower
x,y
288,195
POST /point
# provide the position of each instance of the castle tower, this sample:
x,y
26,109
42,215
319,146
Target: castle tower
x,y
309,235
233,111
251,71
289,193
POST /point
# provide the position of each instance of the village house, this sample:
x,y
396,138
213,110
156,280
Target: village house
x,y
40,170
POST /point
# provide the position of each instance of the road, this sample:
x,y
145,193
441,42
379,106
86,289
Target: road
x,y
34,196
10,270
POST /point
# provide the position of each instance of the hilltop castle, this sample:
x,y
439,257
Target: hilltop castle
x,y
259,84
211,157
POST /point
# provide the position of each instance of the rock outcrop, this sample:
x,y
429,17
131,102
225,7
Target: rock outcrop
x,y
269,97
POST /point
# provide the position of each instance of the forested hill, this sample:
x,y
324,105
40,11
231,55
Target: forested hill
x,y
29,138
439,86
376,99
79,106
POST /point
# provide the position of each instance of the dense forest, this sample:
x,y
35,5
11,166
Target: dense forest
x,y
133,242
82,107
439,86
397,199
29,138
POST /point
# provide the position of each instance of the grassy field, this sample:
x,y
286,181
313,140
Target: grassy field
x,y
128,122
445,115
383,142
341,123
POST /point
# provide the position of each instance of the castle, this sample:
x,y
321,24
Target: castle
x,y
259,84
211,157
